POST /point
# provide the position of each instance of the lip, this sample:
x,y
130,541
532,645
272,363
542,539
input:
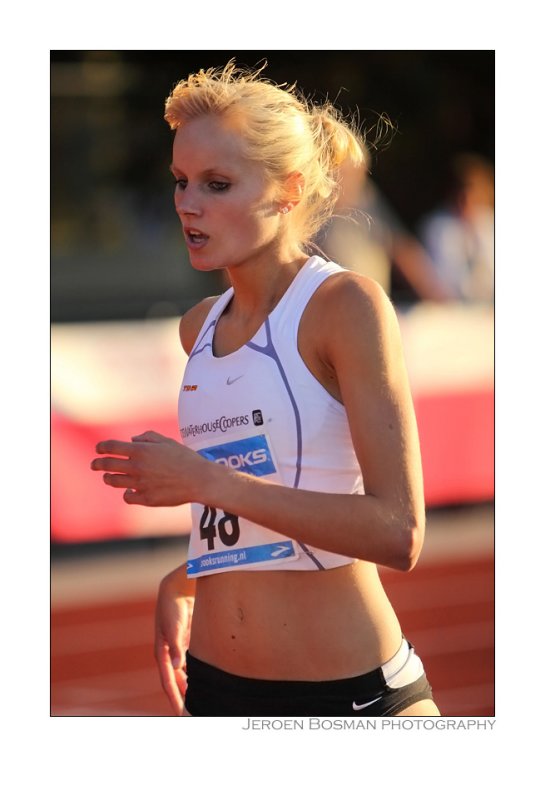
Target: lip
x,y
191,242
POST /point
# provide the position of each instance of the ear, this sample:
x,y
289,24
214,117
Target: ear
x,y
291,191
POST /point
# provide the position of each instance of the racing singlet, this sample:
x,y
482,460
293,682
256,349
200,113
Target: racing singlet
x,y
260,410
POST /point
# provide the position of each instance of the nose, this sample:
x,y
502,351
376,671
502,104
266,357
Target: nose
x,y
186,202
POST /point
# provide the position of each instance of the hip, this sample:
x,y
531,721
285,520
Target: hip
x,y
385,691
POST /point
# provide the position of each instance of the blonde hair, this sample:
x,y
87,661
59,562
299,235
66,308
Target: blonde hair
x,y
282,130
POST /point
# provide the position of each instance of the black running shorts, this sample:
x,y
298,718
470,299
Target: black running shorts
x,y
211,692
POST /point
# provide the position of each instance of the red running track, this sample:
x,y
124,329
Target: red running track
x,y
102,655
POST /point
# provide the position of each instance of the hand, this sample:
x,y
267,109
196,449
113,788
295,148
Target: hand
x,y
173,617
153,469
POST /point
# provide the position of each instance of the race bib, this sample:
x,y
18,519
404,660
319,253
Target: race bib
x,y
220,540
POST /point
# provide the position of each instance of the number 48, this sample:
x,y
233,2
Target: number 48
x,y
228,527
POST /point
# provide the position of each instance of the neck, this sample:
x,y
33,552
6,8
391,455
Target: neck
x,y
259,285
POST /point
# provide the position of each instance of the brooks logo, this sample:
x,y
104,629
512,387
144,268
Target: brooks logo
x,y
240,460
251,455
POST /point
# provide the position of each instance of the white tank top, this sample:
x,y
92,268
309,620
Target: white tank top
x,y
261,411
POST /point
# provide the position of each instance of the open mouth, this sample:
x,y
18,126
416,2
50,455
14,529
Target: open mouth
x,y
195,238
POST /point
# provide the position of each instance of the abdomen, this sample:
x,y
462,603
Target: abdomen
x,y
295,625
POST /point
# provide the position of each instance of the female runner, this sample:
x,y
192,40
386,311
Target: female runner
x,y
300,451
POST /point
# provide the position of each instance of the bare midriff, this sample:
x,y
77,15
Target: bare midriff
x,y
295,625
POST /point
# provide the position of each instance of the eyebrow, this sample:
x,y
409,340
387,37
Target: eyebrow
x,y
205,173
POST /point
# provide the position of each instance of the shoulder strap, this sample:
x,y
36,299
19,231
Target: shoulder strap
x,y
206,332
312,275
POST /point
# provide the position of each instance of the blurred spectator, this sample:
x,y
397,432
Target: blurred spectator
x,y
459,237
367,236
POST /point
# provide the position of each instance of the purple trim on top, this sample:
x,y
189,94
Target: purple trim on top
x,y
195,351
270,351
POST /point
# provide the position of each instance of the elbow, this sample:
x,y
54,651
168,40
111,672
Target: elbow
x,y
410,543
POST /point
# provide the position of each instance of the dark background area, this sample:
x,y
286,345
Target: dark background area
x,y
116,246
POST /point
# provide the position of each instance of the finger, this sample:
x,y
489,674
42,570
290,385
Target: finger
x,y
148,436
112,464
181,682
175,655
134,497
115,447
168,680
119,481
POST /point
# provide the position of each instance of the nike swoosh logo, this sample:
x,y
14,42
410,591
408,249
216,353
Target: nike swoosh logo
x,y
229,381
356,707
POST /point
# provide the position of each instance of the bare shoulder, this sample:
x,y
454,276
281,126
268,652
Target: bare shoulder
x,y
349,334
192,321
352,308
351,290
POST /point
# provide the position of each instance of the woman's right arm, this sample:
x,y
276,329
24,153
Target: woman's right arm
x,y
173,615
176,595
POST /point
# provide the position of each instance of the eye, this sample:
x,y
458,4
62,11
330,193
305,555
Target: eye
x,y
219,186
181,183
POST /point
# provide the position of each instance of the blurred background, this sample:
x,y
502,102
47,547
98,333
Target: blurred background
x,y
420,221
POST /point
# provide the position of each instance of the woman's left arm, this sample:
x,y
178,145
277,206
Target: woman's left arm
x,y
357,336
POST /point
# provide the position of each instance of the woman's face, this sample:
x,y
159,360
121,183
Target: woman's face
x,y
227,208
